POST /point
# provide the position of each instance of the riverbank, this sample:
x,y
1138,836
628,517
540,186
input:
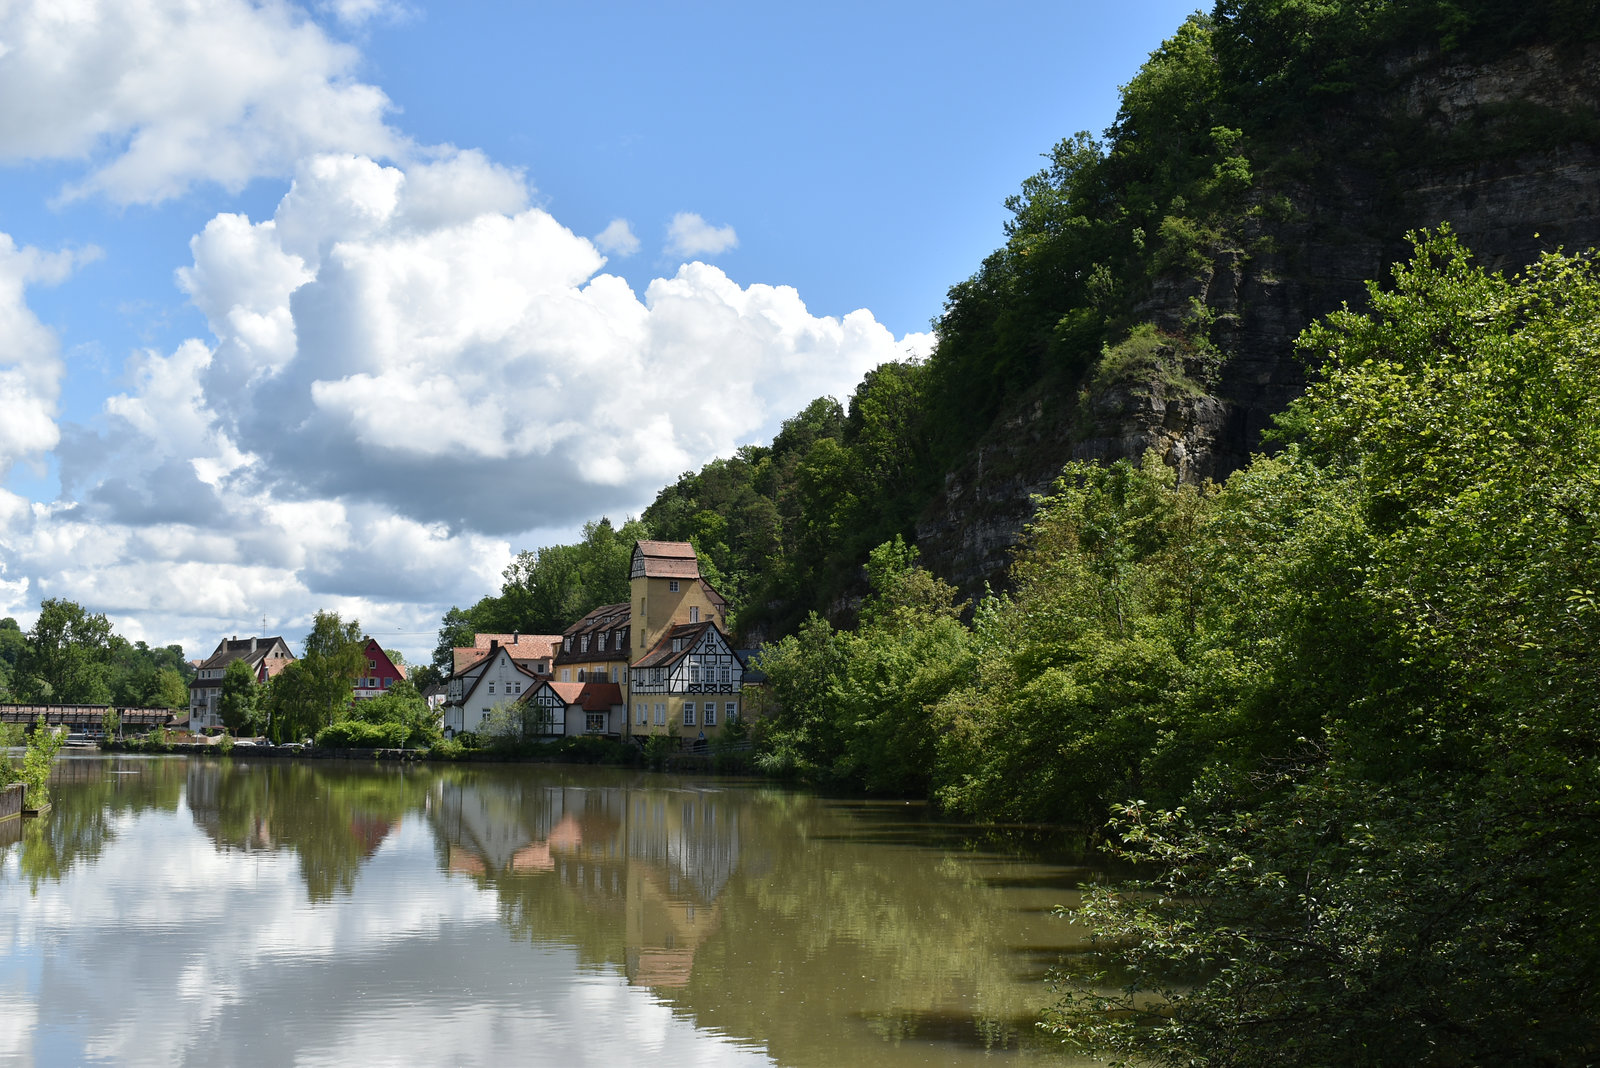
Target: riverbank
x,y
683,763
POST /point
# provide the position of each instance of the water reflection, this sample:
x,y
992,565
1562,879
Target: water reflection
x,y
271,911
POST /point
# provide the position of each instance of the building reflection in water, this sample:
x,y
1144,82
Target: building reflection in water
x,y
655,859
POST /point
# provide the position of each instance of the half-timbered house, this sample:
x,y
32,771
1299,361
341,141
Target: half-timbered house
x,y
474,692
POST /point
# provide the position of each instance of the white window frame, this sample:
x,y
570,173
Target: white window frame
x,y
661,713
688,713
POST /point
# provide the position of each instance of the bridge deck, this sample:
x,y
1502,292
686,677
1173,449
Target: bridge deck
x,y
84,715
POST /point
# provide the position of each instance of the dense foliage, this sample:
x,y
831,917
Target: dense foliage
x,y
72,656
1345,707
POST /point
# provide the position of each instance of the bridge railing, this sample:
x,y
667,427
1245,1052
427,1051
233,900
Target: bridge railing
x,y
83,715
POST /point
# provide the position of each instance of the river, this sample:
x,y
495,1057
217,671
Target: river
x,y
209,911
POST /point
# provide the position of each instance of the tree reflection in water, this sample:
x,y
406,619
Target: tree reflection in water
x,y
822,931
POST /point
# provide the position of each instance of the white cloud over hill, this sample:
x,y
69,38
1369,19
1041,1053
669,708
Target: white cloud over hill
x,y
410,370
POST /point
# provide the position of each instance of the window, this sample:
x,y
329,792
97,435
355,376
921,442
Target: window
x,y
602,641
642,710
732,709
711,713
661,714
688,713
694,673
388,681
567,644
566,674
491,687
371,664
583,644
485,715
594,722
519,687
613,673
727,675
694,613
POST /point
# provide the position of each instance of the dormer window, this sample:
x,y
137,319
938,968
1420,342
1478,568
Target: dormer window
x,y
567,645
602,641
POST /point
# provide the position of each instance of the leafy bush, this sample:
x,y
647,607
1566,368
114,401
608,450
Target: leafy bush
x,y
43,745
356,734
447,749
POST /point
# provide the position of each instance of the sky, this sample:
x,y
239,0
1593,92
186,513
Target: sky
x,y
340,305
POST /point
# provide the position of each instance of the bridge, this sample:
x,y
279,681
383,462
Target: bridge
x,y
86,717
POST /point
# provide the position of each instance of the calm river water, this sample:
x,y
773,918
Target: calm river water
x,y
213,912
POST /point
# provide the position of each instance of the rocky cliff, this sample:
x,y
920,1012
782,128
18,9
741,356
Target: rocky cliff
x,y
1506,152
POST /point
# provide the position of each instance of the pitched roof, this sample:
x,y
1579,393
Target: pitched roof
x,y
248,649
276,664
592,696
666,559
663,654
515,641
522,647
603,618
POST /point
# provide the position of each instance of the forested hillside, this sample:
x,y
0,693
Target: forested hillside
x,y
1267,160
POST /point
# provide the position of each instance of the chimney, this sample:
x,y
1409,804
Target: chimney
x,y
514,638
494,645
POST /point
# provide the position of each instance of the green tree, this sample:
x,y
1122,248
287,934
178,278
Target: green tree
x,y
1407,879
402,705
237,704
67,655
314,691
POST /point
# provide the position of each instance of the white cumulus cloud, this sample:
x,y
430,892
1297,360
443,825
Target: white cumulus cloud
x,y
30,357
617,238
690,235
158,94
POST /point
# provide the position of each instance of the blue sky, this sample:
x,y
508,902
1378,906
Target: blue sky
x,y
341,305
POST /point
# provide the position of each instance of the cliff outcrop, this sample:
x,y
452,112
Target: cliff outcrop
x,y
1506,152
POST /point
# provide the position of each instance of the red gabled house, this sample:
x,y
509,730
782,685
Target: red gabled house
x,y
380,672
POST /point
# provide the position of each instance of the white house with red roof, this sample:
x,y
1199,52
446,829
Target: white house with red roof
x,y
497,677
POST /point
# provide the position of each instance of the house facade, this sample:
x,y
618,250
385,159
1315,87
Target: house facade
x,y
685,679
266,657
494,679
658,664
597,647
381,673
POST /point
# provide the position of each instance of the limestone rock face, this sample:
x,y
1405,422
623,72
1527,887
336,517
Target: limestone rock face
x,y
1507,204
